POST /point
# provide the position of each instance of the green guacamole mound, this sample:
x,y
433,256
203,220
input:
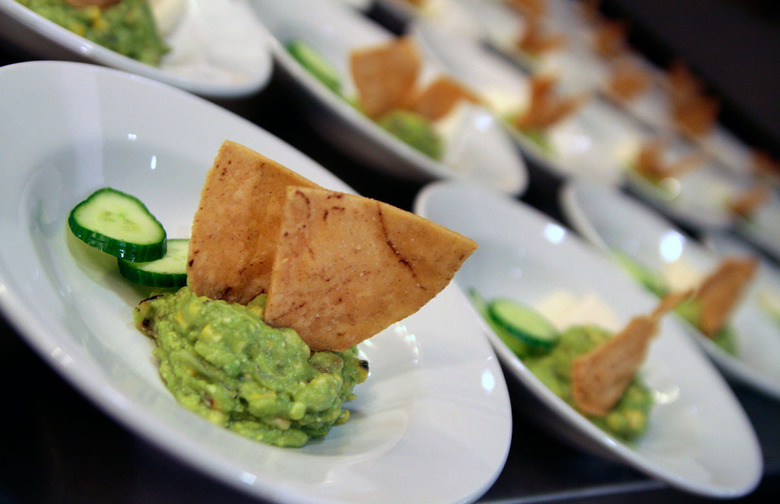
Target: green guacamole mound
x,y
628,419
223,362
127,27
414,130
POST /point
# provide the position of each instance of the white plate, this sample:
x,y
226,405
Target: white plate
x,y
218,49
616,222
595,143
436,397
477,148
699,438
699,198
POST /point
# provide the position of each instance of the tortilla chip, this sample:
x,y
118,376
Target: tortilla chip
x,y
628,79
650,162
599,378
746,203
536,40
347,267
611,37
234,231
697,115
681,82
721,291
439,97
385,75
546,107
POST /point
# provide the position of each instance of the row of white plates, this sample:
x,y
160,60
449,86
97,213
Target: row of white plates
x,y
436,396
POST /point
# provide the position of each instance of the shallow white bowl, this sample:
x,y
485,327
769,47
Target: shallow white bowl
x,y
615,222
698,199
476,148
435,398
699,438
218,49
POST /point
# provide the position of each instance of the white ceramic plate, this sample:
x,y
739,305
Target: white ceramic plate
x,y
477,148
218,49
436,397
699,198
594,143
615,222
699,438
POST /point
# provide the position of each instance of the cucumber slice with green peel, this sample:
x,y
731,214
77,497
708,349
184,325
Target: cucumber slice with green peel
x,y
523,322
118,224
517,345
168,271
315,63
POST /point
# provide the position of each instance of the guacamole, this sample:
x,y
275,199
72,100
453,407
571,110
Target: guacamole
x,y
223,362
127,27
414,130
628,419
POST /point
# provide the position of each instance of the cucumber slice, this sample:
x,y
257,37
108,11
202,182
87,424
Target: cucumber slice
x,y
119,225
168,271
515,344
522,321
316,64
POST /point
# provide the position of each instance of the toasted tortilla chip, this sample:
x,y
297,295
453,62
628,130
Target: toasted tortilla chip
x,y
650,162
535,38
545,106
697,115
681,82
628,79
347,267
439,98
599,378
746,203
385,75
721,291
611,37
234,231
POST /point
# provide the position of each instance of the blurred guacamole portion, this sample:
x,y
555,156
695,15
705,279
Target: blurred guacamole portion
x,y
128,27
414,130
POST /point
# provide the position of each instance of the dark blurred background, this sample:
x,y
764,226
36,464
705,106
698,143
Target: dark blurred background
x,y
732,45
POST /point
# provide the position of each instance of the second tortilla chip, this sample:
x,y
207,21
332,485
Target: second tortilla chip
x,y
347,266
385,75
